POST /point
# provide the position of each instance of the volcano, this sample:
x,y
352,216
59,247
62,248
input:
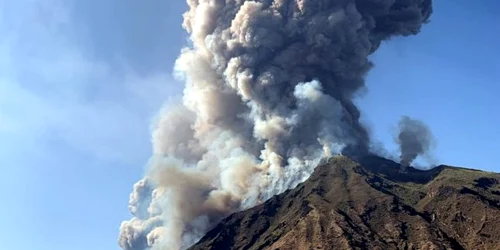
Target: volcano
x,y
370,204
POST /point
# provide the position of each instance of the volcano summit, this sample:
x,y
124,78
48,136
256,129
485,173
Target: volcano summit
x,y
371,205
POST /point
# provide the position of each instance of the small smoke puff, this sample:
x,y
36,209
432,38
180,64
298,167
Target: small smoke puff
x,y
414,139
134,234
140,198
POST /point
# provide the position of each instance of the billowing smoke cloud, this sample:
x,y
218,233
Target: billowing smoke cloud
x,y
269,89
414,139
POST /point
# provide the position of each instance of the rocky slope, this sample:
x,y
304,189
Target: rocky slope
x,y
369,204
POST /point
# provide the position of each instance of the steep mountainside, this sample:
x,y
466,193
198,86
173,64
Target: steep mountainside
x,y
370,205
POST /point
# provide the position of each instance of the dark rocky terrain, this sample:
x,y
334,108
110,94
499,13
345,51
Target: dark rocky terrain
x,y
369,204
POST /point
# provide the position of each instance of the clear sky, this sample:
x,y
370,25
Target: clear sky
x,y
81,80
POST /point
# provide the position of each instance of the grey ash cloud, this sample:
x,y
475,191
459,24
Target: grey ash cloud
x,y
414,139
269,88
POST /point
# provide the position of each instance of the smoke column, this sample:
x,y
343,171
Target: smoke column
x,y
414,139
268,91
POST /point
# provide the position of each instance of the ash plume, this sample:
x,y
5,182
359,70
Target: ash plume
x,y
414,139
269,88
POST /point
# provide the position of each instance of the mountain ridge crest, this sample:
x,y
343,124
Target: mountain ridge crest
x,y
370,204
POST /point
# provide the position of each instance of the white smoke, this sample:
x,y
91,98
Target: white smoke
x,y
269,88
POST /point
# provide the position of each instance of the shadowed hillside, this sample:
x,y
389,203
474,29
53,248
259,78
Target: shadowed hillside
x,y
369,204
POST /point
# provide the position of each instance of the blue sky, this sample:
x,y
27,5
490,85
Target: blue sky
x,y
81,80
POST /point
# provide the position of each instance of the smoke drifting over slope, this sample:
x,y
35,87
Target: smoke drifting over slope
x,y
269,88
414,139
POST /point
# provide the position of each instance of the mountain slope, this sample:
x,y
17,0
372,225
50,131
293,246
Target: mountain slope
x,y
370,205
